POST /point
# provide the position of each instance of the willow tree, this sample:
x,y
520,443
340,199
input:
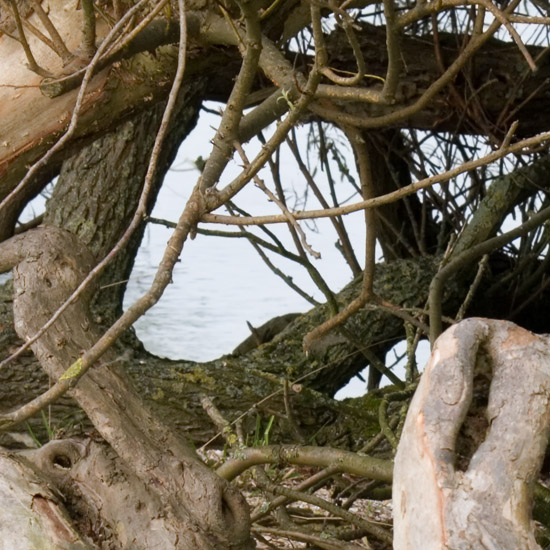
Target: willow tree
x,y
444,110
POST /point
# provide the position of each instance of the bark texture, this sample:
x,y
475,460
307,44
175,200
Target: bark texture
x,y
33,513
200,509
99,188
494,71
446,496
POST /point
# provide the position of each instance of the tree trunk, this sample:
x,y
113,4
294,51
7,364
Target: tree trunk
x,y
200,509
451,495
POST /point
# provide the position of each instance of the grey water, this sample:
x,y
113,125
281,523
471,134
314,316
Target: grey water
x,y
221,283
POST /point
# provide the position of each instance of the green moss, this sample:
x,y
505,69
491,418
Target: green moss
x,y
198,376
157,395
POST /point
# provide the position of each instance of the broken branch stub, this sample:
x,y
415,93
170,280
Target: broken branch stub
x,y
486,502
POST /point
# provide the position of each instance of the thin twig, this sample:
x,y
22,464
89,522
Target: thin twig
x,y
291,220
347,461
162,278
343,19
424,100
320,476
509,135
76,109
473,288
60,47
394,52
227,133
221,423
35,222
500,16
371,357
367,292
127,37
384,425
354,519
290,415
43,38
279,135
321,542
388,198
32,64
378,438
88,46
337,222
257,243
278,392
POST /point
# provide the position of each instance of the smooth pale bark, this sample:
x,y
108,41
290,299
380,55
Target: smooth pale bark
x,y
33,515
484,499
52,494
24,110
32,122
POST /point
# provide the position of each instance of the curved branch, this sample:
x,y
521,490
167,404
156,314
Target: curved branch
x,y
345,461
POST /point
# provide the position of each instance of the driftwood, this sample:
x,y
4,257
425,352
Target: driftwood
x,y
446,496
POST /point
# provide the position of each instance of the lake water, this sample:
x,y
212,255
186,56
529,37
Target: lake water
x,y
220,284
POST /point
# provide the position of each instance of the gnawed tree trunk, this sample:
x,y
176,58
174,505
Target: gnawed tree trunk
x,y
447,495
